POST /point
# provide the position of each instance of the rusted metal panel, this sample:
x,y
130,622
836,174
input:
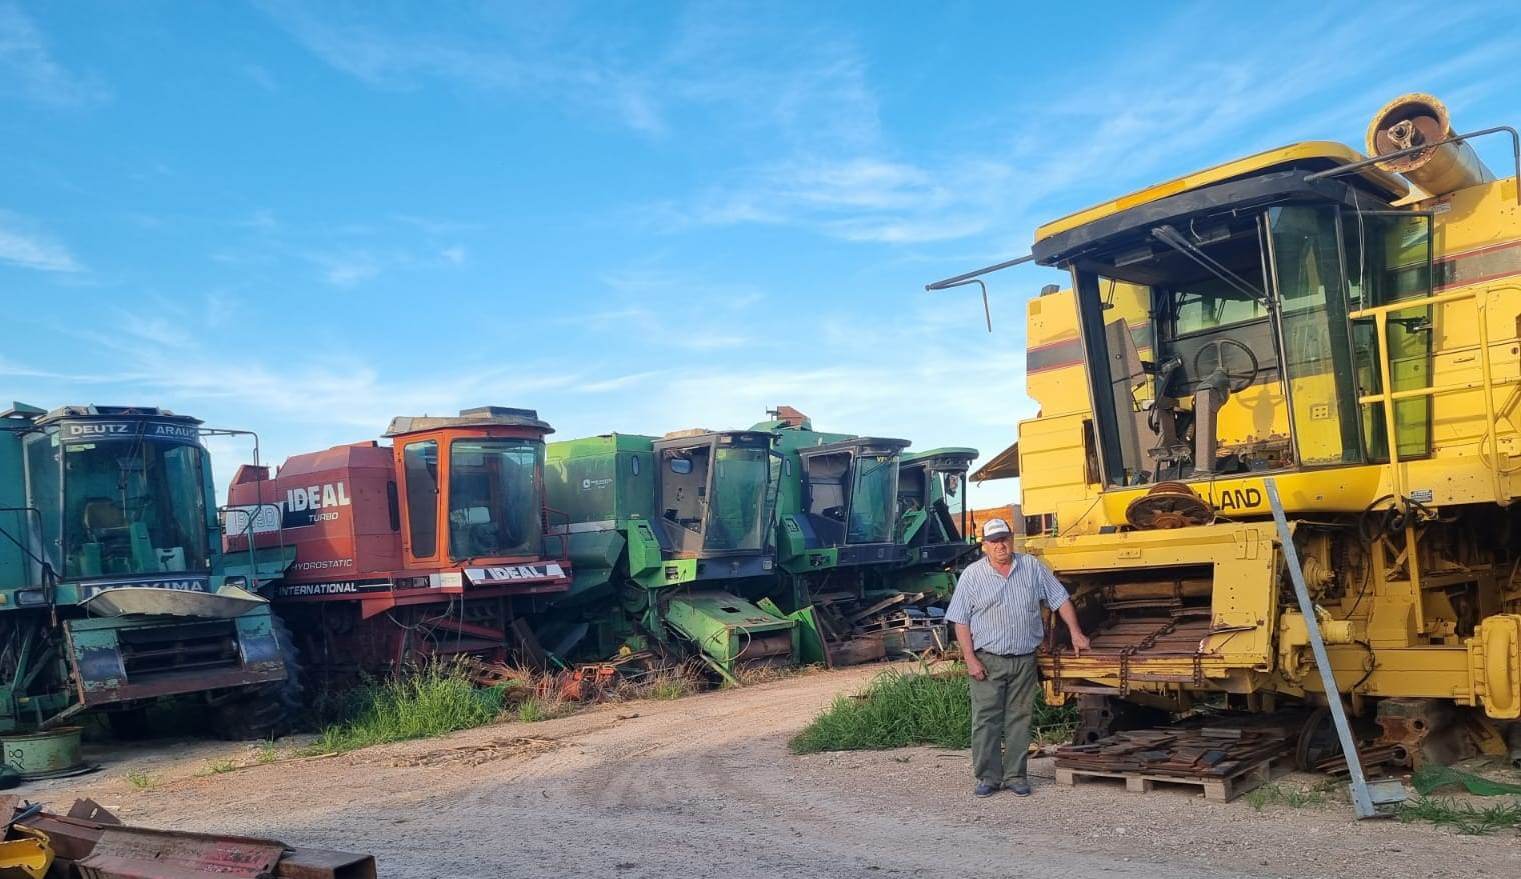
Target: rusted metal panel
x,y
317,863
140,853
90,843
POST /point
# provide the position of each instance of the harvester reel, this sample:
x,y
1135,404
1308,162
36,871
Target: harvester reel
x,y
1168,505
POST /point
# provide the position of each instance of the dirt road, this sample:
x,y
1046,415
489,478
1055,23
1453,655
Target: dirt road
x,y
704,786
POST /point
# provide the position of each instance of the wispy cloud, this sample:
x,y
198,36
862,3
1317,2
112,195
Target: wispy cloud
x,y
1085,134
714,66
29,70
400,52
347,270
23,244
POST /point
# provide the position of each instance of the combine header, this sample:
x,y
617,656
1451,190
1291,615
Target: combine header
x,y
114,590
431,546
1312,316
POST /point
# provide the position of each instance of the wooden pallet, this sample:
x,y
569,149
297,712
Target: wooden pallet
x,y
1220,789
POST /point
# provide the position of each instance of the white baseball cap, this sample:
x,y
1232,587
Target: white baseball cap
x,y
995,528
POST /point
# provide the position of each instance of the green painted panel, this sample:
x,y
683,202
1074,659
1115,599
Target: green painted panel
x,y
601,478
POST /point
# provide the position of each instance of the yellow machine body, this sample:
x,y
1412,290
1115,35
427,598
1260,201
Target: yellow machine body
x,y
1373,310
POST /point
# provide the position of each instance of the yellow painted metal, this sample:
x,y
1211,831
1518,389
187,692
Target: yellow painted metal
x,y
1396,623
28,857
1495,652
1327,152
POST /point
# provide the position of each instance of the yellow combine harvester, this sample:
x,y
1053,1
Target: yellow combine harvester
x,y
1349,327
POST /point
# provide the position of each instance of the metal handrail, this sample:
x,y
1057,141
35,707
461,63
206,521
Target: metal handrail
x,y
1388,396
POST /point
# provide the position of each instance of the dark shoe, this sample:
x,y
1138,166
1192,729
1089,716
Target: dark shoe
x,y
986,790
1020,788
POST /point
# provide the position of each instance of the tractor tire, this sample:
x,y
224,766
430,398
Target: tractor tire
x,y
270,710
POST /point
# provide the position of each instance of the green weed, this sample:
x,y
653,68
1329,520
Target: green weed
x,y
919,708
1274,793
141,780
267,753
428,701
1462,817
217,767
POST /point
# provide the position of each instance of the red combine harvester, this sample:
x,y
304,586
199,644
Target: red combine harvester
x,y
431,546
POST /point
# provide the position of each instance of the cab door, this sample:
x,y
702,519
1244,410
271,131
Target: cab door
x,y
419,460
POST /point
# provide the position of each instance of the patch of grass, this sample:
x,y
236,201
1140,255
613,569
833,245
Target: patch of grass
x,y
540,708
217,767
141,780
1462,817
1277,794
918,708
267,753
427,701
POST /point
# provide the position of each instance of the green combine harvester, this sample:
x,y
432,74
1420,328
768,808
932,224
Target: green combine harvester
x,y
769,546
670,544
114,591
867,542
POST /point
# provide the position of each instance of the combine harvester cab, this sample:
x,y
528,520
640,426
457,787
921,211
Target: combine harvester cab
x,y
865,552
433,546
113,587
1308,316
937,537
672,542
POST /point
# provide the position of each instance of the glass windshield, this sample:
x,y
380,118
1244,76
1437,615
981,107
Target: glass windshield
x,y
1212,303
873,498
494,497
1388,260
736,516
1317,349
133,508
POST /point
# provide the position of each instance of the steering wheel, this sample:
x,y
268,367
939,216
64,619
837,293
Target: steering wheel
x,y
1237,378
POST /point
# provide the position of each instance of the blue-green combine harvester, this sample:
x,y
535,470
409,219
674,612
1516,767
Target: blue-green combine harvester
x,y
773,545
114,590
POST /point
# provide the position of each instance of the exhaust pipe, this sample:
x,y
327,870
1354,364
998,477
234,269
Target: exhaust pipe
x,y
1414,119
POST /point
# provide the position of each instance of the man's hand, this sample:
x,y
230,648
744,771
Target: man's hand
x,y
976,669
1080,642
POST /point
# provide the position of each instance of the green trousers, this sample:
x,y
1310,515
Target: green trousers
x,y
1001,708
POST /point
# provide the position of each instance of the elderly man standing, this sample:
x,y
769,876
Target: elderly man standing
x,y
996,612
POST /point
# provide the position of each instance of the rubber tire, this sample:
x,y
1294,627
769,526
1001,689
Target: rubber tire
x,y
272,709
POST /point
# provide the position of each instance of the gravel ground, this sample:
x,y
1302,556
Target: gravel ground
x,y
704,786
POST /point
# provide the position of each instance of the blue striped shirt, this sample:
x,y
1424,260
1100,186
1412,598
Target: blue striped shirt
x,y
1004,612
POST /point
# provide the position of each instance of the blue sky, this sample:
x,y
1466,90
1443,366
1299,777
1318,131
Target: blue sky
x,y
305,218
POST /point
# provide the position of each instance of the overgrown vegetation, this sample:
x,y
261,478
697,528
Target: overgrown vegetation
x,y
430,700
537,708
1465,818
918,708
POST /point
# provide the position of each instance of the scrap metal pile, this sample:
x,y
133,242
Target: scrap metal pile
x,y
1218,751
89,842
